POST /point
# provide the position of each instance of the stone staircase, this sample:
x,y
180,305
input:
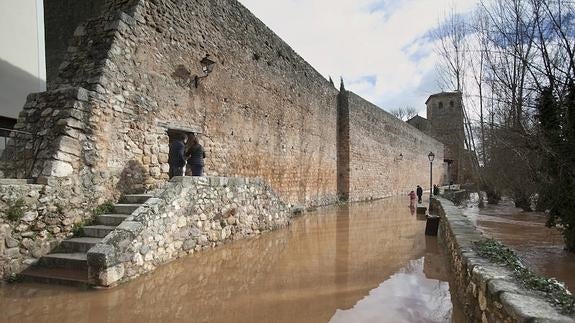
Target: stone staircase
x,y
67,264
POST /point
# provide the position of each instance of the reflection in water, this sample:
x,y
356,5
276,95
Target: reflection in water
x,y
418,292
541,248
407,296
323,264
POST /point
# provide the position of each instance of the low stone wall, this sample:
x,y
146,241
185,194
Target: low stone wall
x,y
187,215
33,219
488,291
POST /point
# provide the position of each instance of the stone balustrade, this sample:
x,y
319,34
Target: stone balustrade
x,y
187,215
488,291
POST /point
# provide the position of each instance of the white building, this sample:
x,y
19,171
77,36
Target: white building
x,y
22,57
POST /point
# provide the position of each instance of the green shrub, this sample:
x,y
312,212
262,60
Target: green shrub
x,y
554,291
16,210
106,207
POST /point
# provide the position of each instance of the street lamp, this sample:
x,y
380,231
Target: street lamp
x,y
431,157
207,68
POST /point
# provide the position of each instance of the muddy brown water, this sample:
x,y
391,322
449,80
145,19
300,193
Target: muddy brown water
x,y
540,248
369,262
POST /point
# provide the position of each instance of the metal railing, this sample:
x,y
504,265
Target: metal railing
x,y
6,135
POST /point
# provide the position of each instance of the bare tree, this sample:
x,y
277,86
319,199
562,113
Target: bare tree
x,y
508,50
404,113
452,48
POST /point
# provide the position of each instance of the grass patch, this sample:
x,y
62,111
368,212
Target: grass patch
x,y
78,229
13,278
15,211
104,208
554,291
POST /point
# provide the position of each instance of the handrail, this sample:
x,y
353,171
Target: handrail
x,y
19,131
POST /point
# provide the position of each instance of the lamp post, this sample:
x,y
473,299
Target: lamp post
x,y
207,68
431,157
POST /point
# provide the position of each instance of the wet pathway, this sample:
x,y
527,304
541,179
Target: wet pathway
x,y
369,262
540,247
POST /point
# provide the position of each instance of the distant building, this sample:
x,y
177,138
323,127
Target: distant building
x,y
445,123
421,124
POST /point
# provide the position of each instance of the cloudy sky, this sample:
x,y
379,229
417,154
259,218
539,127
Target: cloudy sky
x,y
379,47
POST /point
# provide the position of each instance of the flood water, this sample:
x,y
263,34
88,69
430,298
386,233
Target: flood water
x,y
541,248
369,262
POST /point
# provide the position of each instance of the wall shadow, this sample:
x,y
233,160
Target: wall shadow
x,y
133,178
15,85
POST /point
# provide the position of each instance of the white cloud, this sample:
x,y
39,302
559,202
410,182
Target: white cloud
x,y
359,38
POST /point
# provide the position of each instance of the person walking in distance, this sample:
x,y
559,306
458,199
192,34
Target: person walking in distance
x,y
176,158
195,154
419,194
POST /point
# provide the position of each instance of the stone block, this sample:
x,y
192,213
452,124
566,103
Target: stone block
x,y
69,145
11,242
131,226
57,168
101,256
30,216
111,276
12,253
525,308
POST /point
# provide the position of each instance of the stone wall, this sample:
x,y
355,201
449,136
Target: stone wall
x,y
61,17
387,156
128,79
33,219
488,291
189,214
263,112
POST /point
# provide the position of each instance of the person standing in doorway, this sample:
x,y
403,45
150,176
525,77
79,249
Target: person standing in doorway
x,y
176,158
419,194
195,154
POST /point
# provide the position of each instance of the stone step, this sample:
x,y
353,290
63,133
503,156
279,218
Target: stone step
x,y
135,198
79,244
125,208
15,181
76,260
60,276
111,219
97,231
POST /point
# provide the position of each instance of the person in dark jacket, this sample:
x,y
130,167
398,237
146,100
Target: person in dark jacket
x,y
419,193
176,157
195,155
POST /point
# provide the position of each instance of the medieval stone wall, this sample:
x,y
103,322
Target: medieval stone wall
x,y
128,78
388,156
61,17
255,111
263,112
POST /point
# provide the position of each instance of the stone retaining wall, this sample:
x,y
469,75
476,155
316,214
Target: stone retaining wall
x,y
488,291
189,214
33,219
